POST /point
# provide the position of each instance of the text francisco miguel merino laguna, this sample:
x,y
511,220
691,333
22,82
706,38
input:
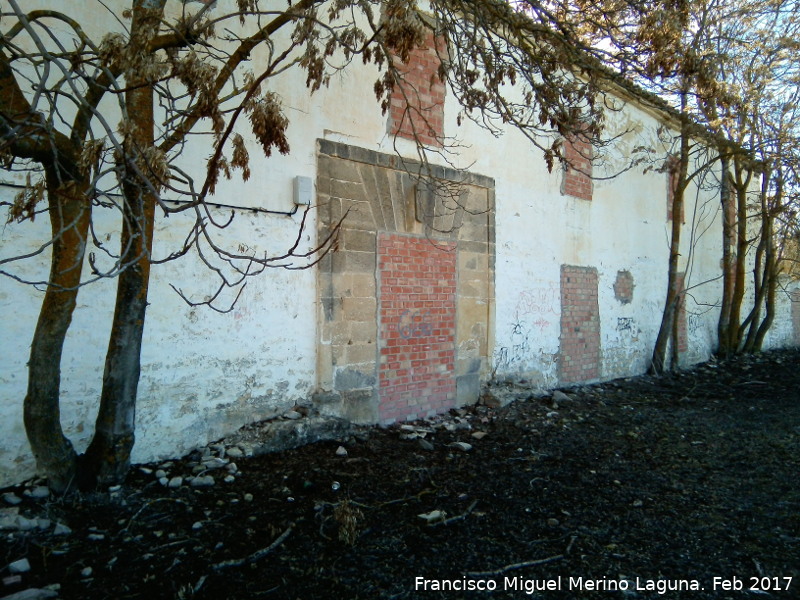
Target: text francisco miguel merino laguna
x,y
529,586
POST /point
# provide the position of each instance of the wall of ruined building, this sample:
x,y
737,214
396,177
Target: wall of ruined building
x,y
205,374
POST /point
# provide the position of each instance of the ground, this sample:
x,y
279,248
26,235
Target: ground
x,y
683,481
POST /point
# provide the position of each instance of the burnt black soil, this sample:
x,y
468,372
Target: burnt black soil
x,y
647,483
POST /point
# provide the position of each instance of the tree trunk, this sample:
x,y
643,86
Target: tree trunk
x,y
723,325
761,275
770,259
107,459
735,330
658,362
70,214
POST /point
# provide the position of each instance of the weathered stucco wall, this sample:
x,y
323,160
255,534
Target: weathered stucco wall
x,y
205,374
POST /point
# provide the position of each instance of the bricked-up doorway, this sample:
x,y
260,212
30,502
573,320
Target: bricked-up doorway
x,y
407,300
417,326
579,354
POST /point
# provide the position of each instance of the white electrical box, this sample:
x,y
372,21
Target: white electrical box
x,y
303,190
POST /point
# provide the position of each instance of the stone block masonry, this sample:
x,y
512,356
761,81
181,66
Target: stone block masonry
x,y
406,300
579,353
417,319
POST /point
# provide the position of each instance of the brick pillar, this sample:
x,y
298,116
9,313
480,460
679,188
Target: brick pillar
x,y
579,354
416,109
417,320
577,181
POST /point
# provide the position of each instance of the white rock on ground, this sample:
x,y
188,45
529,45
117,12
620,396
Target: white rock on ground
x,y
11,498
19,566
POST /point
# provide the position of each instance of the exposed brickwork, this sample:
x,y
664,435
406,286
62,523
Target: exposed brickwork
x,y
417,321
577,181
579,354
417,103
623,287
683,336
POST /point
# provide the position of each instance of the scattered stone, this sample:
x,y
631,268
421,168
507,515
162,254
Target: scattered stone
x,y
19,566
248,450
232,467
43,523
248,497
61,529
114,489
204,481
335,486
479,435
213,463
86,572
463,446
167,465
95,537
559,396
292,415
11,498
39,492
219,449
25,524
163,481
12,580
434,516
341,451
197,525
229,479
161,474
491,400
553,522
175,482
424,444
235,452
146,470
638,503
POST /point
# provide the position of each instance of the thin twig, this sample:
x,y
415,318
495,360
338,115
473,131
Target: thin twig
x,y
257,555
463,515
515,566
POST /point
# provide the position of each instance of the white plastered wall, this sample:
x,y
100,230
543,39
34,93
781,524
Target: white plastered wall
x,y
205,374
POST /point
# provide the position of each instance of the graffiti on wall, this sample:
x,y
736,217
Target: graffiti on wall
x,y
415,324
541,300
626,324
536,310
693,323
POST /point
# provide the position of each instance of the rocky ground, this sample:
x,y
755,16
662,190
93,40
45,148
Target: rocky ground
x,y
684,486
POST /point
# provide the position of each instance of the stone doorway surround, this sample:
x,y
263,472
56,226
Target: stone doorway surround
x,y
406,310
